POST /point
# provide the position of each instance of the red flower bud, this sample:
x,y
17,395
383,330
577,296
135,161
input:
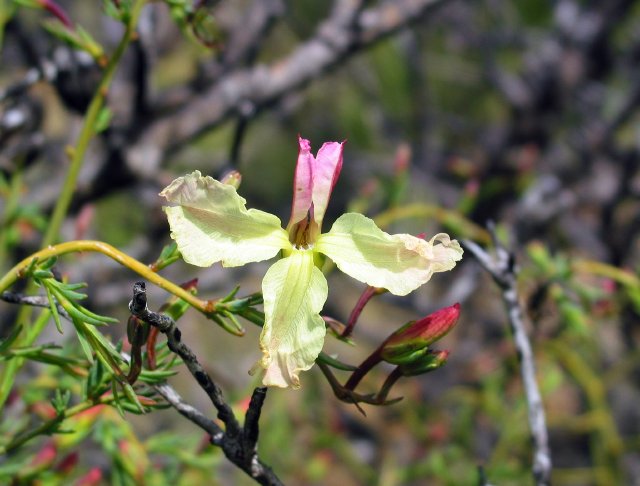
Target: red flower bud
x,y
412,339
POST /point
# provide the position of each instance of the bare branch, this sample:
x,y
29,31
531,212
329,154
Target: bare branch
x,y
238,444
191,413
501,266
340,36
32,300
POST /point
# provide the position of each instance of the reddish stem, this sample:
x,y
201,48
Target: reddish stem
x,y
56,10
395,375
365,297
363,369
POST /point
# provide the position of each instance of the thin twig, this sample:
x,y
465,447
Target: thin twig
x,y
190,413
501,266
348,30
237,443
32,300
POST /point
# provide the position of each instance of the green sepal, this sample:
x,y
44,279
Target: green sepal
x,y
404,354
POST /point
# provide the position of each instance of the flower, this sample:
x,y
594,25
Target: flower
x,y
210,224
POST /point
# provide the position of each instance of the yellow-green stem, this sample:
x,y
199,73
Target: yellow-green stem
x,y
623,277
89,128
78,152
141,269
11,204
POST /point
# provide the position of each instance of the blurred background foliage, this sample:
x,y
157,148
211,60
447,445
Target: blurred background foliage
x,y
524,113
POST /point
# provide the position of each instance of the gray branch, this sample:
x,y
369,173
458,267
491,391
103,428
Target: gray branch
x,y
501,265
348,30
191,413
32,300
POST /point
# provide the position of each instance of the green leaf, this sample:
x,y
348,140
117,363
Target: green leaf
x,y
155,376
94,386
61,400
335,363
116,398
84,343
54,309
49,263
132,397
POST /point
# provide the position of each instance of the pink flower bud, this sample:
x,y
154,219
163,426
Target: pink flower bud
x,y
412,339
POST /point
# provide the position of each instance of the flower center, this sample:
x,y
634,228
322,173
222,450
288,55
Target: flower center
x,y
303,234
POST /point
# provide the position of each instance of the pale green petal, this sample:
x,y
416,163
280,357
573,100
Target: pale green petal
x,y
399,263
212,224
294,291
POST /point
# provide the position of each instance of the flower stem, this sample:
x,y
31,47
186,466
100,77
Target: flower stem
x,y
364,298
364,368
394,376
206,307
446,217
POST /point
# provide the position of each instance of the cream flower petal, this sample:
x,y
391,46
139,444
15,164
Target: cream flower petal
x,y
399,263
294,292
212,224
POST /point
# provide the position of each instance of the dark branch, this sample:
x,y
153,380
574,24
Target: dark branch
x,y
252,417
167,326
238,444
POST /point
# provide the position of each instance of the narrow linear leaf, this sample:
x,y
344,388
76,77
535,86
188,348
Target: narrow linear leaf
x,y
86,347
76,286
116,397
54,309
74,311
104,319
132,397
